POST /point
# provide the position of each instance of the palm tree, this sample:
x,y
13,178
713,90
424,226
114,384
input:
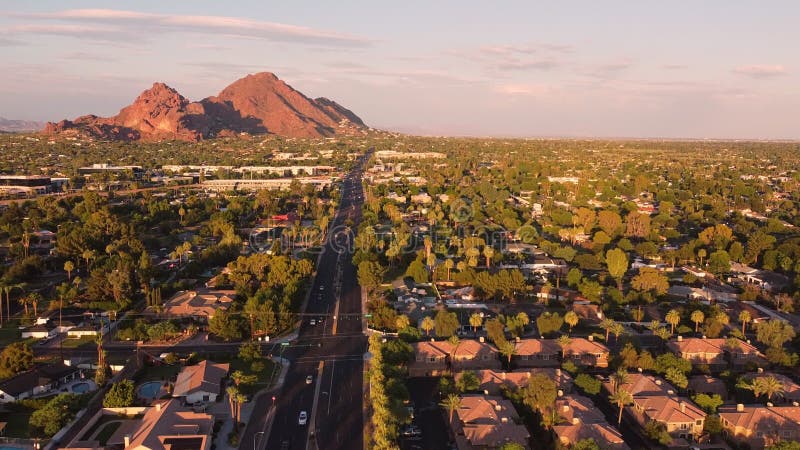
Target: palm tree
x,y
571,319
448,264
240,400
621,398
697,317
618,378
69,266
88,255
769,386
475,321
488,252
523,319
428,325
451,404
663,333
507,349
744,319
607,324
34,298
673,318
618,329
233,393
25,301
401,322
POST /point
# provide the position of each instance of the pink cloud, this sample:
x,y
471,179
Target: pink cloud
x,y
761,70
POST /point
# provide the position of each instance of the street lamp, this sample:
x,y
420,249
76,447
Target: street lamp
x,y
255,438
273,401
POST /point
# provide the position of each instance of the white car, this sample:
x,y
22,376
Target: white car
x,y
303,419
313,322
309,379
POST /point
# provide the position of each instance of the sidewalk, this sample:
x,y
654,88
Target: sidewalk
x,y
222,411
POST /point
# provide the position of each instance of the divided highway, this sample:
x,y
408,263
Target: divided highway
x,y
326,373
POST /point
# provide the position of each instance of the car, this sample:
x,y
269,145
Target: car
x,y
313,321
309,379
285,444
303,418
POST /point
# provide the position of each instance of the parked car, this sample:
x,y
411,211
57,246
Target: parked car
x,y
303,418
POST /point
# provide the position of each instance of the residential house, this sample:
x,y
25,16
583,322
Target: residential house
x,y
717,353
791,390
706,384
483,422
586,352
536,353
654,399
760,426
38,332
199,304
201,382
587,311
472,354
39,380
491,380
430,359
584,421
433,358
82,331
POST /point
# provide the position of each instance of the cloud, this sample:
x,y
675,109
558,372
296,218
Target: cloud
x,y
8,42
674,66
514,57
85,56
119,25
761,70
528,89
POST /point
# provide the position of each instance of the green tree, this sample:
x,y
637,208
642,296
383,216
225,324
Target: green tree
x,y
744,319
617,263
540,393
428,324
467,382
774,333
571,319
446,323
370,275
620,398
451,404
709,403
697,317
401,322
588,384
15,358
55,414
548,323
673,318
676,377
69,266
650,280
507,349
226,326
475,321
585,444
121,394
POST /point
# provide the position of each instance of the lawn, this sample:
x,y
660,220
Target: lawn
x,y
17,423
82,342
108,431
264,376
8,335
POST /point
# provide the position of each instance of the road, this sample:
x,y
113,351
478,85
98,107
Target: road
x,y
330,352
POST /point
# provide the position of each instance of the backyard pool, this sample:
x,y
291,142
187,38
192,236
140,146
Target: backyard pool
x,y
78,388
4,447
150,390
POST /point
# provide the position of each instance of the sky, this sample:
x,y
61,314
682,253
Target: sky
x,y
637,68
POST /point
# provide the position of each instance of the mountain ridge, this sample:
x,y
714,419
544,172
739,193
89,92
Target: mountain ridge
x,y
258,103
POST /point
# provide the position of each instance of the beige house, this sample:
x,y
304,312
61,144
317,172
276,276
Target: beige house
x,y
536,353
433,358
760,426
484,422
585,352
201,382
491,380
582,420
717,353
199,304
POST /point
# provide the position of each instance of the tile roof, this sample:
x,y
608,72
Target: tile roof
x,y
537,346
488,421
669,409
204,377
168,425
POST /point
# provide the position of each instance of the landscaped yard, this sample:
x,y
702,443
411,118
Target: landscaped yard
x,y
160,373
8,335
82,342
264,376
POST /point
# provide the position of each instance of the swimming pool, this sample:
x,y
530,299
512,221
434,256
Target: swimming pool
x,y
150,389
79,388
4,447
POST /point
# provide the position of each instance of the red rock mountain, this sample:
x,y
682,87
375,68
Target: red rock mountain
x,y
255,104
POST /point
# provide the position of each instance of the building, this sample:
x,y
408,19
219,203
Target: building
x,y
430,359
536,353
201,382
585,352
38,332
434,358
717,353
482,422
39,380
82,331
491,380
760,426
319,183
136,172
791,390
200,304
582,420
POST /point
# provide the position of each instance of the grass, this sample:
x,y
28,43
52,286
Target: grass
x,y
263,377
82,342
8,336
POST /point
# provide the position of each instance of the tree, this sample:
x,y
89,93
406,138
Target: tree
x,y
774,333
588,384
428,325
451,404
540,393
488,253
226,326
69,266
514,446
673,318
495,330
549,322
650,280
768,386
468,381
621,398
617,263
744,319
449,264
15,358
55,414
507,349
784,445
370,275
607,324
697,317
239,378
610,222
709,403
676,377
401,322
571,319
250,351
120,395
446,323
585,444
475,321
719,263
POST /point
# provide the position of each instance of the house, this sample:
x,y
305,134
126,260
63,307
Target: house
x,y
38,332
39,380
582,420
198,304
201,382
430,359
491,380
760,426
472,354
717,353
82,331
654,399
586,352
791,390
487,422
706,384
536,353
587,311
